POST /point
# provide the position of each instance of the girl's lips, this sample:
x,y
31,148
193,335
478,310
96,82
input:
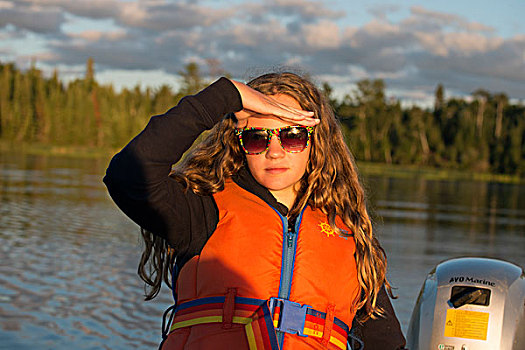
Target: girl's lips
x,y
275,171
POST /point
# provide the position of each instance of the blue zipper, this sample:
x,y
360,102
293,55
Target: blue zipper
x,y
288,261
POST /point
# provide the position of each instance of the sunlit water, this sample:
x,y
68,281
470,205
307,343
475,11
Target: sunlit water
x,y
69,257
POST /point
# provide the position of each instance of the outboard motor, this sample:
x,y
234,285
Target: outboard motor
x,y
470,304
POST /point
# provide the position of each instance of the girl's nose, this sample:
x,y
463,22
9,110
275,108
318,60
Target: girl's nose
x,y
274,148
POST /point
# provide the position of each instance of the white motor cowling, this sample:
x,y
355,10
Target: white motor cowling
x,y
470,304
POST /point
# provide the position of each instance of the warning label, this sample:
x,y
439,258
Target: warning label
x,y
466,324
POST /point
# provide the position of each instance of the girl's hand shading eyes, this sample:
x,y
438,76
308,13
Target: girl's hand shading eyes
x,y
256,104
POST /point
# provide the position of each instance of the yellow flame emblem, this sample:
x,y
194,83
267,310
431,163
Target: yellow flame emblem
x,y
327,229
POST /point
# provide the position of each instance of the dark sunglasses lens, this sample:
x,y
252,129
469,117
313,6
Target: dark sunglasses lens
x,y
254,141
294,139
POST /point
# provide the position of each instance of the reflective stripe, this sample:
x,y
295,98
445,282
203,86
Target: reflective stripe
x,y
255,315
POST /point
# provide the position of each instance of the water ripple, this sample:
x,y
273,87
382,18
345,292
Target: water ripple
x,y
69,256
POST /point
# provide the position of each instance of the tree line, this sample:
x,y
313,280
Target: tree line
x,y
483,133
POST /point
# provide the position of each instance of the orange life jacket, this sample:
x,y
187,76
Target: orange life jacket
x,y
253,257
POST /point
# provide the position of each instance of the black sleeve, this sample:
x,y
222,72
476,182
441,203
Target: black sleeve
x,y
137,177
383,333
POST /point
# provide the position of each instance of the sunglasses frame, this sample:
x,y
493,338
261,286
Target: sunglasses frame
x,y
274,132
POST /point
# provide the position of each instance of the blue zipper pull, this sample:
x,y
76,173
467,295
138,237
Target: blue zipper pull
x,y
290,236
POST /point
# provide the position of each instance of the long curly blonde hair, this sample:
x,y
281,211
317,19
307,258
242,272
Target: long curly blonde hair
x,y
330,182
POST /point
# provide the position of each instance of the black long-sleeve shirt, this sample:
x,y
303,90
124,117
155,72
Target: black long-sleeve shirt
x,y
137,180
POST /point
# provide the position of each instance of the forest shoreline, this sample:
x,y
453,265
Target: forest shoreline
x,y
482,134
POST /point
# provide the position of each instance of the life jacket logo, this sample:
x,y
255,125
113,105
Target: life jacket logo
x,y
327,229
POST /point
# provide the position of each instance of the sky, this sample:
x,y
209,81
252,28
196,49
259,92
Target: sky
x,y
412,45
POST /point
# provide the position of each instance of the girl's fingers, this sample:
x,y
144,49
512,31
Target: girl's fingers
x,y
257,104
308,122
242,118
293,114
288,113
283,110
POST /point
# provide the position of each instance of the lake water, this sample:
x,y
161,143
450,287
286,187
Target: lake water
x,y
69,256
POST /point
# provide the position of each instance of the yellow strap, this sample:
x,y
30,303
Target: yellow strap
x,y
209,319
251,337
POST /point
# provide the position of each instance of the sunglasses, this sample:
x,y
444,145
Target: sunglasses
x,y
293,139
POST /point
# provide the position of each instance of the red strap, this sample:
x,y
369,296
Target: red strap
x,y
228,308
328,324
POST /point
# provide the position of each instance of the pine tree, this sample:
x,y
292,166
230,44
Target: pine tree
x,y
192,81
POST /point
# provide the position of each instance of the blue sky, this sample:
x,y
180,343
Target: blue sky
x,y
412,45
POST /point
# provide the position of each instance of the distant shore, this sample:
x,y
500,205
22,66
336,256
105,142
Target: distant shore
x,y
366,168
429,173
56,150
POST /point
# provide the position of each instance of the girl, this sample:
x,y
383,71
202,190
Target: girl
x,y
263,226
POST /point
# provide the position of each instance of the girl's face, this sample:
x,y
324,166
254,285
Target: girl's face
x,y
276,169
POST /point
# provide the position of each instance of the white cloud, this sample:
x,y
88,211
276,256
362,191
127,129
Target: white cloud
x,y
471,43
84,8
322,35
306,9
97,35
161,15
33,18
420,49
378,34
421,16
6,5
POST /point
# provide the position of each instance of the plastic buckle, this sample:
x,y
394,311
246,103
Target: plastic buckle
x,y
291,317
